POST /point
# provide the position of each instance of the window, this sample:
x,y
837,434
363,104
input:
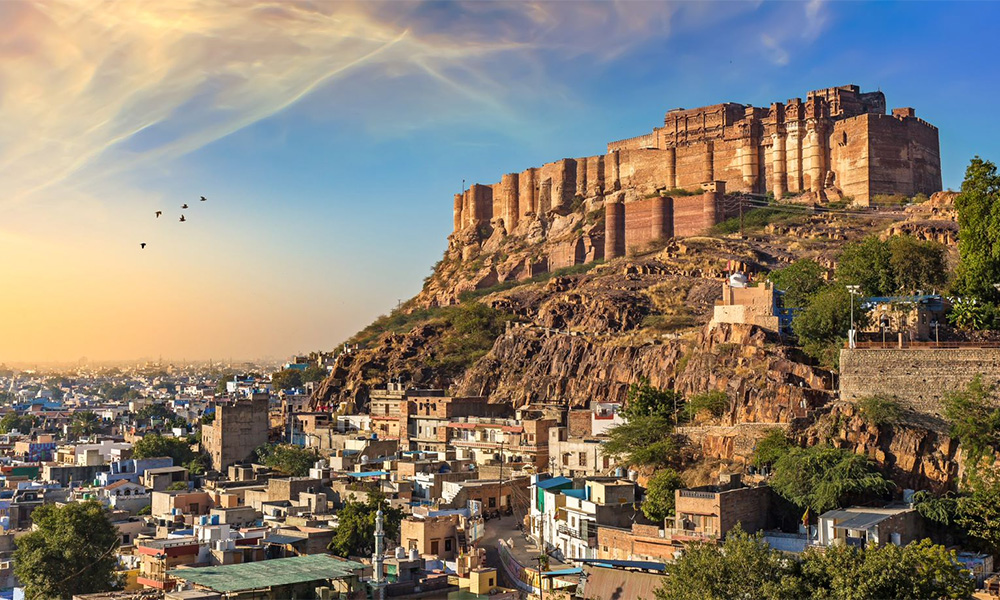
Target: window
x,y
491,582
493,502
447,545
583,459
566,459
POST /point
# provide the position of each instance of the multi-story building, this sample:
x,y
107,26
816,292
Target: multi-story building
x,y
239,428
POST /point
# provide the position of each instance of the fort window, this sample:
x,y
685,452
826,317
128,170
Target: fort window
x,y
843,138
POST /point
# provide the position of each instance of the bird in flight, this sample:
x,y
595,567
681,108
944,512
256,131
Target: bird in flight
x,y
203,198
183,219
158,213
184,206
142,245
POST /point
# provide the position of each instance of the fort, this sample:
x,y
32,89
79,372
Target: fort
x,y
838,144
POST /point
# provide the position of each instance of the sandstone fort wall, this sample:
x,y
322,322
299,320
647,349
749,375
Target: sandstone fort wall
x,y
920,377
838,142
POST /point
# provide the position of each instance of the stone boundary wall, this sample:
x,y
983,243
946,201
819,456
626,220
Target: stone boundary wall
x,y
919,377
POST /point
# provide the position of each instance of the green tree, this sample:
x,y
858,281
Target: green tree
x,y
71,550
978,511
22,423
979,231
643,441
644,400
974,418
286,379
800,281
743,567
867,263
917,571
208,418
177,486
355,533
156,445
821,478
154,410
917,265
313,373
942,510
771,447
879,410
715,402
659,501
822,326
84,423
289,459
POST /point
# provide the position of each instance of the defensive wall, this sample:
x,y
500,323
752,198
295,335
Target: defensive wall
x,y
839,142
919,377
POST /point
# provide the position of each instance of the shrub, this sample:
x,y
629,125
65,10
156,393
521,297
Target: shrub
x,y
879,410
770,448
714,402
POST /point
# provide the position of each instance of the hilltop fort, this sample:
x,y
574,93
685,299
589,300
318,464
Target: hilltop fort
x,y
679,179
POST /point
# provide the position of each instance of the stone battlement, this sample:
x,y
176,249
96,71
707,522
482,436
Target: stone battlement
x,y
837,143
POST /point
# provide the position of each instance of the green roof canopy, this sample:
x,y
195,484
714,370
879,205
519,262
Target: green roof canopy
x,y
268,573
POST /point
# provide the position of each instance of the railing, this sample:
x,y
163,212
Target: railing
x,y
696,494
564,529
891,344
673,532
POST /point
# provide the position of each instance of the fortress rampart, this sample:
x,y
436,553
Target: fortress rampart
x,y
837,143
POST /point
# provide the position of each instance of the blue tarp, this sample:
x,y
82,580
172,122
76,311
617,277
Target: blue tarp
x,y
622,564
369,474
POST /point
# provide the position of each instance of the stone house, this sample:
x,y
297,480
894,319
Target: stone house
x,y
712,511
434,537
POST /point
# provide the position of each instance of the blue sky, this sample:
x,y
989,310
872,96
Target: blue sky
x,y
330,139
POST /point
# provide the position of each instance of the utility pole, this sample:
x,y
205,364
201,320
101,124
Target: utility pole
x,y
853,290
741,214
500,487
541,586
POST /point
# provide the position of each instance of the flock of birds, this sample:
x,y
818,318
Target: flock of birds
x,y
159,213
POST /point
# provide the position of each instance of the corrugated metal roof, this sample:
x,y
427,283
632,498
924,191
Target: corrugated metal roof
x,y
268,573
368,474
553,482
613,583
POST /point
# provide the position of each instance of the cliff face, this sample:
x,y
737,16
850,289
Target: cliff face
x,y
590,332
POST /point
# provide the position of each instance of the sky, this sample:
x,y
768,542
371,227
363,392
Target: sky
x,y
329,139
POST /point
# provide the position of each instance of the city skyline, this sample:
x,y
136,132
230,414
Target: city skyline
x,y
329,139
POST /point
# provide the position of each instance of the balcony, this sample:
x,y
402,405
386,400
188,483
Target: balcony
x,y
589,537
695,494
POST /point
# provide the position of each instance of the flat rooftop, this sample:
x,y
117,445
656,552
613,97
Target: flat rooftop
x,y
268,573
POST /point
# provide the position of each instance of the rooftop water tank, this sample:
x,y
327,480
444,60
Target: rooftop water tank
x,y
738,280
400,552
414,554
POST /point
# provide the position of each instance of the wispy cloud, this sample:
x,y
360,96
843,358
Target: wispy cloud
x,y
793,29
93,88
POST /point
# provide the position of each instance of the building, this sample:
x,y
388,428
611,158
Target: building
x,y
839,143
238,429
861,526
435,537
160,556
712,511
282,578
839,139
745,304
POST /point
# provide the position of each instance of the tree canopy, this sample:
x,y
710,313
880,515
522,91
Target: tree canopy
x,y
155,445
659,501
286,379
771,447
84,423
70,551
289,459
154,410
355,533
974,418
800,281
821,478
22,423
644,400
899,264
745,567
979,230
643,441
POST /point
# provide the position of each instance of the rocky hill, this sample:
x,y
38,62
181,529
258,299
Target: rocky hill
x,y
587,332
